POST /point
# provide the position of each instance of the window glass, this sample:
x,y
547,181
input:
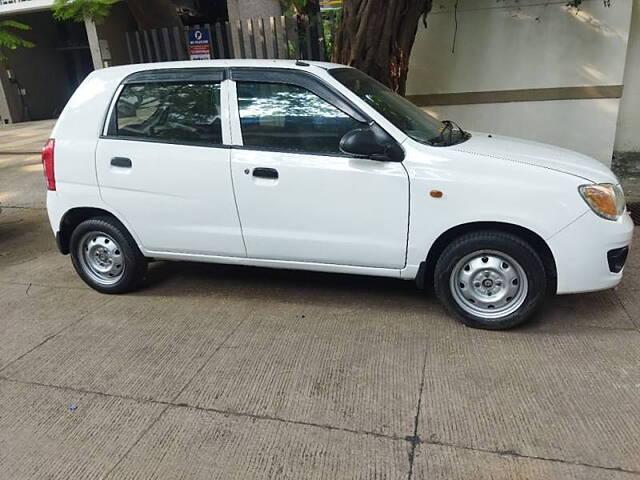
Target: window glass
x,y
398,110
180,112
275,115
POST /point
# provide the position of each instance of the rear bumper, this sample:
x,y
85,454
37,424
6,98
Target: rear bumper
x,y
586,251
61,244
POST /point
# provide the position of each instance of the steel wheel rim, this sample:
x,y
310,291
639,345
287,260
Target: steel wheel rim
x,y
489,284
101,258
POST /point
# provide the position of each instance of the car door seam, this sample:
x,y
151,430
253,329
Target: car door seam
x,y
230,113
406,249
235,201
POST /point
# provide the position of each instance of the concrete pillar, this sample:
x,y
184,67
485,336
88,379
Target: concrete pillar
x,y
628,133
5,111
94,43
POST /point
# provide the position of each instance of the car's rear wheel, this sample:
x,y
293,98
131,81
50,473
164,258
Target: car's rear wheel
x,y
492,280
106,257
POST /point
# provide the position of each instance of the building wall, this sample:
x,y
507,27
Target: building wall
x,y
42,70
628,133
538,70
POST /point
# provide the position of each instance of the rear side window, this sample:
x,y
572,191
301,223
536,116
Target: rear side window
x,y
173,112
287,117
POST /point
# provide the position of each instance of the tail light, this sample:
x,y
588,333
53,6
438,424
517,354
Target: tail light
x,y
47,163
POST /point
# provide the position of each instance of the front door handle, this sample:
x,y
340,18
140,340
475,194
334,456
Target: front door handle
x,y
265,172
122,162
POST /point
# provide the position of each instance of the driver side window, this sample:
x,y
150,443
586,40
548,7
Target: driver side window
x,y
287,117
173,112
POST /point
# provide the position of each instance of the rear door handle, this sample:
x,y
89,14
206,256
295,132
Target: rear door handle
x,y
265,172
122,162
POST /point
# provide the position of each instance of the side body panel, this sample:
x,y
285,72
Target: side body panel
x,y
329,209
483,189
76,135
323,209
178,198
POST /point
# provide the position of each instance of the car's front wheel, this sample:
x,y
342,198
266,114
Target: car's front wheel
x,y
492,280
106,257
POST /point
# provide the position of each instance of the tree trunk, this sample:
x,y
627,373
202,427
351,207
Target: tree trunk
x,y
377,36
154,13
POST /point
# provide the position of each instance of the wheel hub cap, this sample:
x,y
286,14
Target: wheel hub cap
x,y
101,258
489,284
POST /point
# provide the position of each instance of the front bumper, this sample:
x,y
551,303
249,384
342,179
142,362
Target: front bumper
x,y
581,252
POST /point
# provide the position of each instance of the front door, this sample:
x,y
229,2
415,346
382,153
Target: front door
x,y
299,197
164,168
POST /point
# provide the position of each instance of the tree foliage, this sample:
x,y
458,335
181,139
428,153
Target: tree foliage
x,y
78,10
8,38
148,13
300,7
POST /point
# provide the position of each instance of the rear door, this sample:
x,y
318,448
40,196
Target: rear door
x,y
299,197
163,163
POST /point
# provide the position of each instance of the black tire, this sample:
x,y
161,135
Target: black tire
x,y
134,263
493,241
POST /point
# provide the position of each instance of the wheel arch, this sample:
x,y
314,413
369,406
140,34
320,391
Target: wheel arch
x,y
72,218
426,271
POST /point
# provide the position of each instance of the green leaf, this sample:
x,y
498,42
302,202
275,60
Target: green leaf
x,y
14,24
11,41
78,10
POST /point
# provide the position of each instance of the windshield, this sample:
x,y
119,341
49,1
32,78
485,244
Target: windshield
x,y
412,120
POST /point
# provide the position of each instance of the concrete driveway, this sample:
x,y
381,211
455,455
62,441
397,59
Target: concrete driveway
x,y
229,372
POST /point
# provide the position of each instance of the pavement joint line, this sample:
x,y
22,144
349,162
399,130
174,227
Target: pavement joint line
x,y
233,413
143,432
168,404
514,454
415,439
323,426
52,336
208,359
502,453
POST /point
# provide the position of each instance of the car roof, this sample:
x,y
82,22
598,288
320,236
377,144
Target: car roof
x,y
96,91
125,70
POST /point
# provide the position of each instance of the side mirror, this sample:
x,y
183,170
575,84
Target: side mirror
x,y
371,142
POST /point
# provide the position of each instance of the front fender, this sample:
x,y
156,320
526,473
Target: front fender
x,y
477,190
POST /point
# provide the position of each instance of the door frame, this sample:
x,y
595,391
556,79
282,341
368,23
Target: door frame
x,y
215,74
325,88
288,76
328,93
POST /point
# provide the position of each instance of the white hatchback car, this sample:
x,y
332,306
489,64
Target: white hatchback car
x,y
317,166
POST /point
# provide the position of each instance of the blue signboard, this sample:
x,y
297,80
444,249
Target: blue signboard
x,y
199,48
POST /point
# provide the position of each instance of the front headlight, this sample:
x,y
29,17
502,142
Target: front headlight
x,y
605,199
